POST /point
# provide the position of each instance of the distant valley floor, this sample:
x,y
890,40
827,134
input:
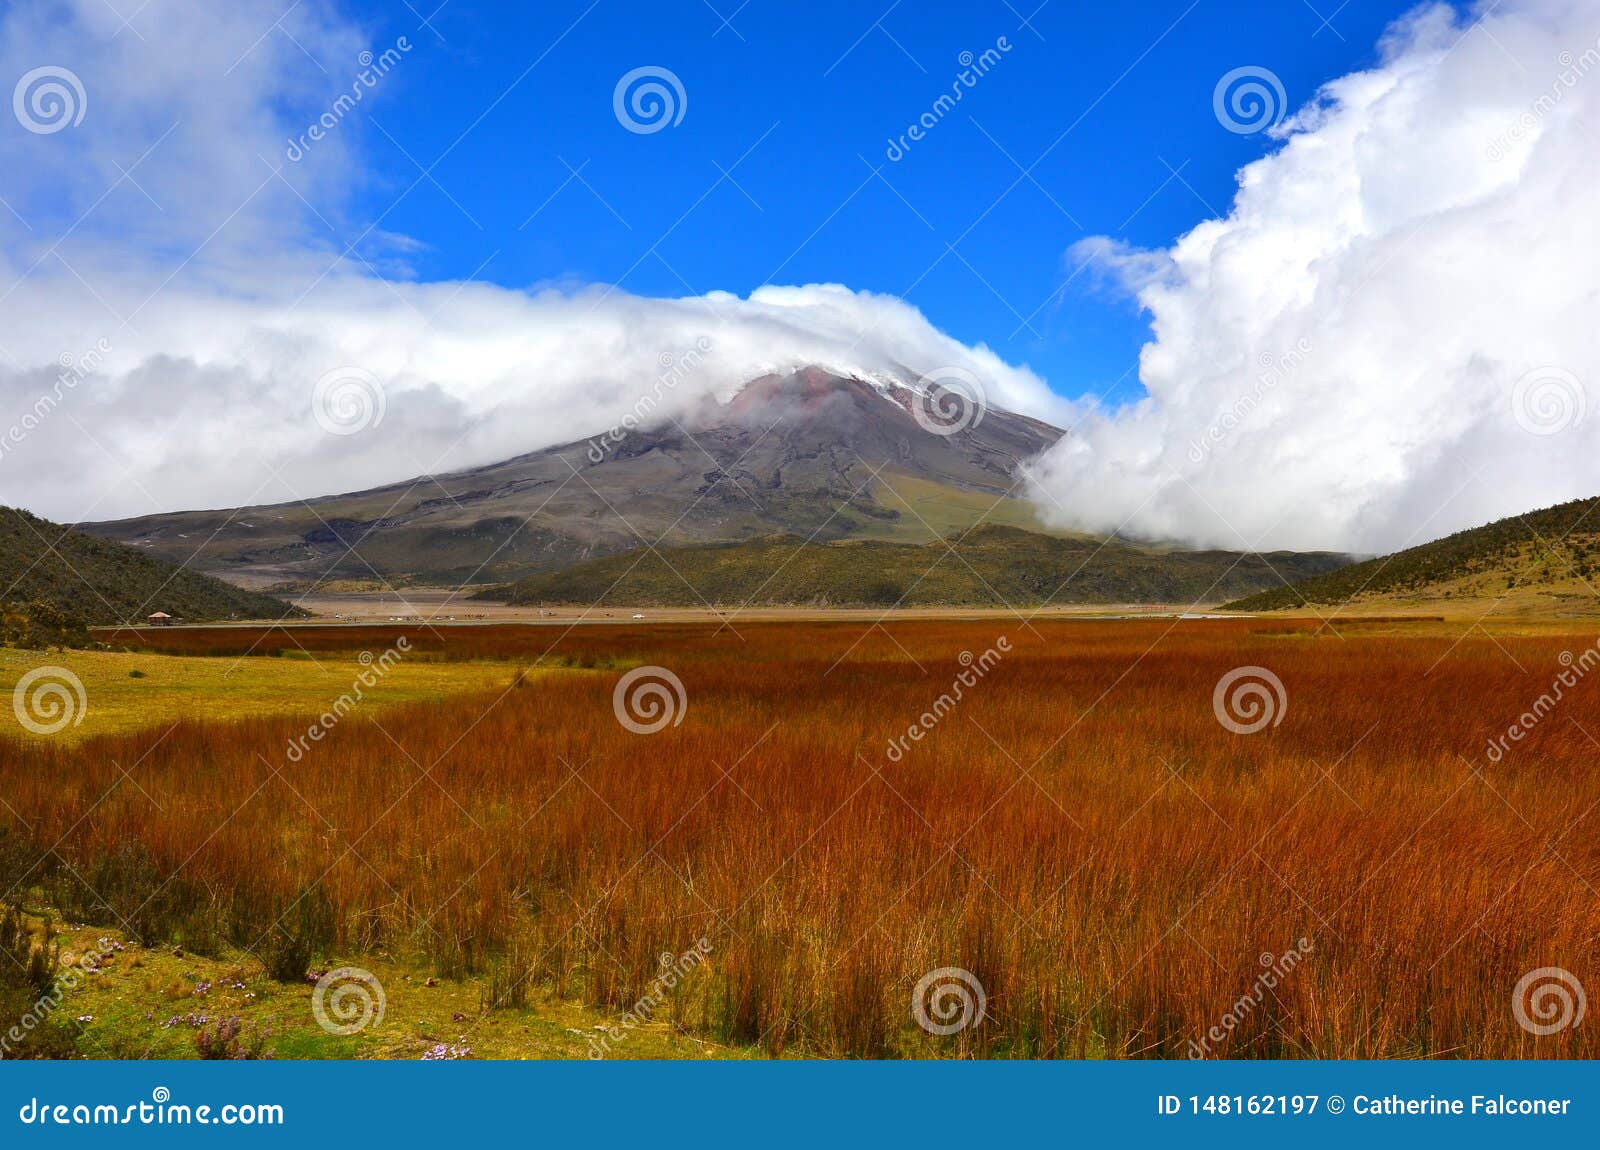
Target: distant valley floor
x,y
442,606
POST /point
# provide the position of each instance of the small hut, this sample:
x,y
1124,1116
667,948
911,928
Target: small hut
x,y
160,619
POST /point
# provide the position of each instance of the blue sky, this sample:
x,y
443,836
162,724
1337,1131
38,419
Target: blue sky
x,y
805,94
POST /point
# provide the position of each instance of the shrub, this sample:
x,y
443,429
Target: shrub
x,y
28,994
304,930
228,1040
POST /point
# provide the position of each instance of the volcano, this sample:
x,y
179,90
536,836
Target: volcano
x,y
809,453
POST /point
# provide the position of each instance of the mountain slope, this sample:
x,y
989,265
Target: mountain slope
x,y
809,452
991,566
55,582
1553,553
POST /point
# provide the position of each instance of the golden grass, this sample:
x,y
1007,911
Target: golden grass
x,y
169,688
1079,832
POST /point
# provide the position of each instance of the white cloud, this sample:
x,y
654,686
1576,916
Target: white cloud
x,y
1334,364
236,305
1118,262
211,403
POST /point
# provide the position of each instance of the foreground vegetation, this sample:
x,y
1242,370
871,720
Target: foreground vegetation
x,y
1079,832
132,1001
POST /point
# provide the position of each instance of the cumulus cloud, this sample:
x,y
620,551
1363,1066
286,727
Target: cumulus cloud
x,y
167,247
1391,334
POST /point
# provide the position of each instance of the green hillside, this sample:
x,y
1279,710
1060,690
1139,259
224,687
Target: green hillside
x,y
1555,551
991,566
56,582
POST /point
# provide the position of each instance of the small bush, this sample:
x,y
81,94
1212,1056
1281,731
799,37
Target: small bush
x,y
303,931
127,887
511,978
28,994
28,964
229,1041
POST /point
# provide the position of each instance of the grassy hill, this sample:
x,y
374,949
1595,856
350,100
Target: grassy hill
x,y
992,566
1554,552
56,582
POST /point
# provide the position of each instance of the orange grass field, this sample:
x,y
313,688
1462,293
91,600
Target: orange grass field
x,y
1080,832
